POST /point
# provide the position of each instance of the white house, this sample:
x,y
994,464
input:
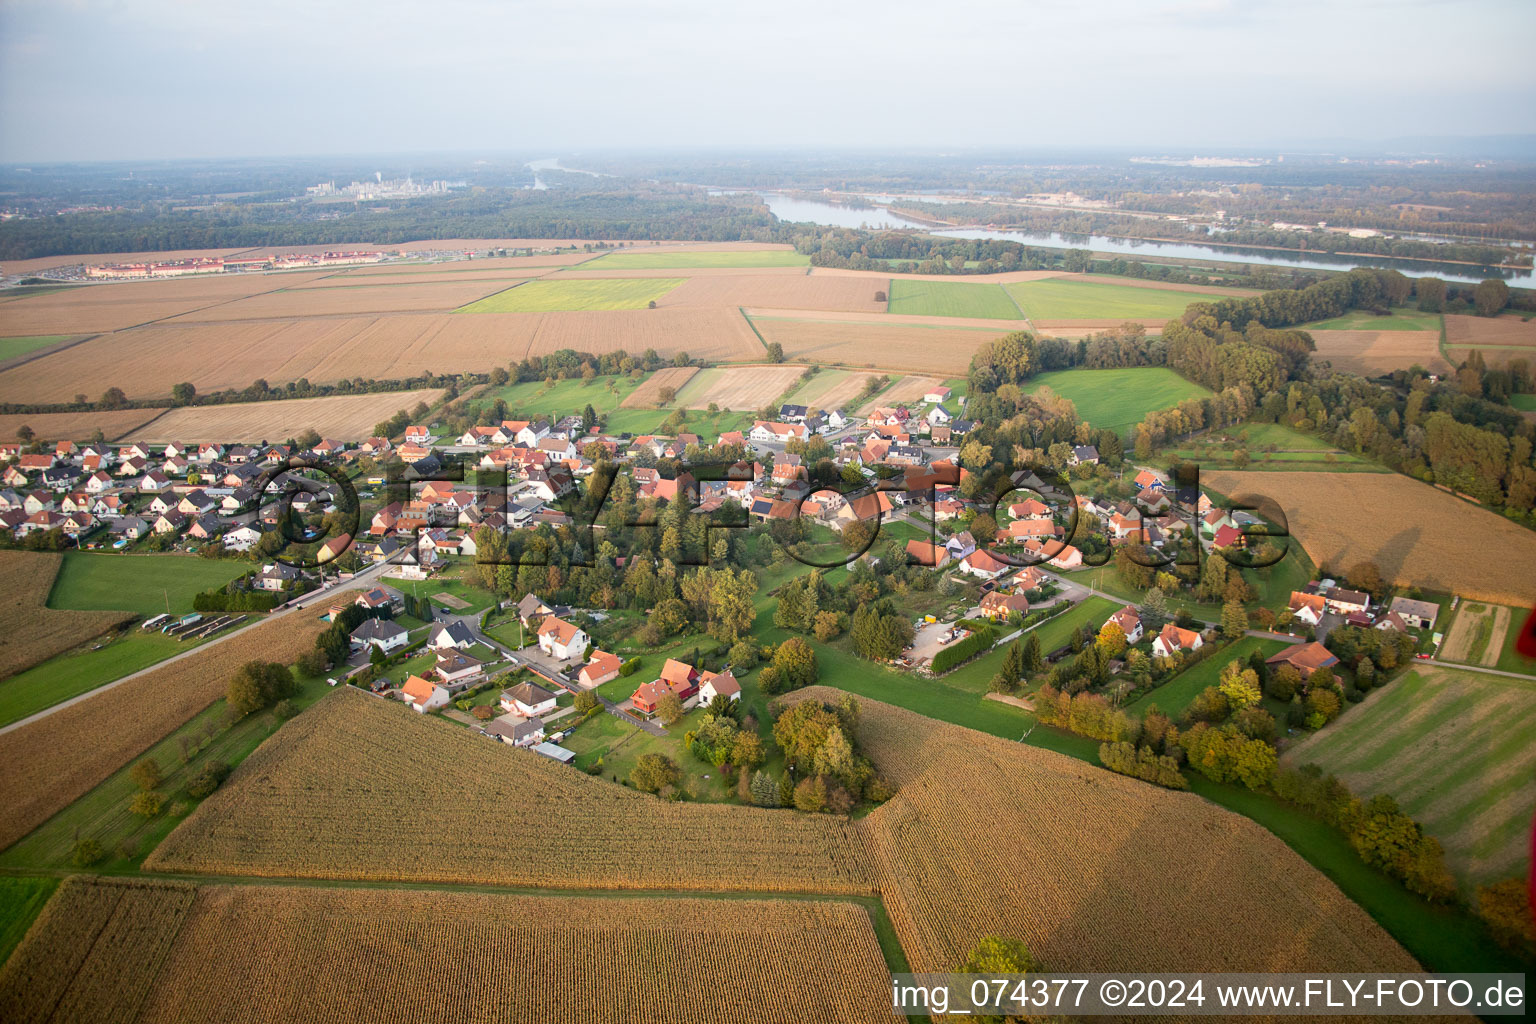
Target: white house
x,y
563,640
527,699
445,635
938,414
1173,639
1129,621
385,634
422,695
723,684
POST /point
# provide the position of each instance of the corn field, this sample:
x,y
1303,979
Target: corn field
x,y
358,787
233,954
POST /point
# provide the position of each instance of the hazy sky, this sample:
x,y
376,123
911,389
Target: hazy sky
x,y
96,79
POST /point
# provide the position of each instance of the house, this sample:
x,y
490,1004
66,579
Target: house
x,y
1420,614
1147,478
132,527
1215,519
561,639
921,552
601,668
792,413
763,430
333,548
241,538
938,394
677,678
530,609
979,563
273,577
721,684
206,527
385,634
171,522
1068,557
1392,620
522,732
1029,509
998,605
446,635
422,695
939,416
867,506
1305,658
1129,621
1173,640
458,670
1344,602
1308,608
960,545
1083,454
1024,529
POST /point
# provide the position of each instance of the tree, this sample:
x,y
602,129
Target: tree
x,y
586,702
793,665
665,396
1234,620
747,750
1111,639
1490,296
1033,659
654,772
1431,292
147,774
257,684
997,955
113,398
1240,686
147,803
811,795
775,352
87,852
25,434
1505,906
669,708
1365,576
765,792
183,393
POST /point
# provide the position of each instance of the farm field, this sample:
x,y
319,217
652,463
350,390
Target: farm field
x,y
635,955
21,899
779,291
874,345
393,790
1179,692
1498,338
1395,535
1270,446
58,759
648,394
649,421
142,584
1119,399
1403,318
1374,353
70,673
680,259
340,417
1525,403
717,335
111,307
909,389
1077,298
945,887
1477,633
359,300
830,389
570,294
36,632
952,298
1453,748
77,426
10,348
738,388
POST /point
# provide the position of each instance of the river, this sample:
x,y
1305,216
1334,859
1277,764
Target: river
x,y
792,208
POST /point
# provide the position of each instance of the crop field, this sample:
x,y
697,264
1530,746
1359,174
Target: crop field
x,y
1454,749
679,259
57,759
537,397
1417,535
947,881
717,335
648,394
911,388
342,417
10,348
1077,298
1400,319
876,345
739,388
572,294
142,584
1476,636
1119,399
34,632
1373,353
77,426
1497,338
780,291
447,273
361,300
548,958
831,389
952,298
357,787
111,307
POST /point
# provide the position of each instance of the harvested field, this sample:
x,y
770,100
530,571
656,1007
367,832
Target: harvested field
x,y
909,389
343,417
632,957
648,394
576,294
517,264
504,278
1117,299
1417,535
739,388
716,335
291,302
58,758
1476,637
359,787
937,349
112,307
831,389
779,291
1498,338
77,426
945,887
1453,748
696,258
1373,353
34,632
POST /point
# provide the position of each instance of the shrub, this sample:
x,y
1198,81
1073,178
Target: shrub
x,y
963,650
629,667
207,779
147,803
87,852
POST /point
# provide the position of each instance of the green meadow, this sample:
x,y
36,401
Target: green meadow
x,y
569,294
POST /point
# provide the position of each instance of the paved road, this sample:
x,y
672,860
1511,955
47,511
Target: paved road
x,y
362,579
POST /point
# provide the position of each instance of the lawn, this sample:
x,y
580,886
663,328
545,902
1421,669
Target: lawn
x,y
1177,693
975,676
1119,399
1401,319
1270,446
1525,403
143,584
1074,298
575,294
647,421
699,258
10,348
620,746
563,397
75,672
952,298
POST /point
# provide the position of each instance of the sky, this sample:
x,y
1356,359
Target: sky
x,y
160,79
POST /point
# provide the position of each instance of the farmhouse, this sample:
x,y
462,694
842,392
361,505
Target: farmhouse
x,y
998,605
1305,658
1420,614
561,639
527,699
1308,608
677,678
1172,639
